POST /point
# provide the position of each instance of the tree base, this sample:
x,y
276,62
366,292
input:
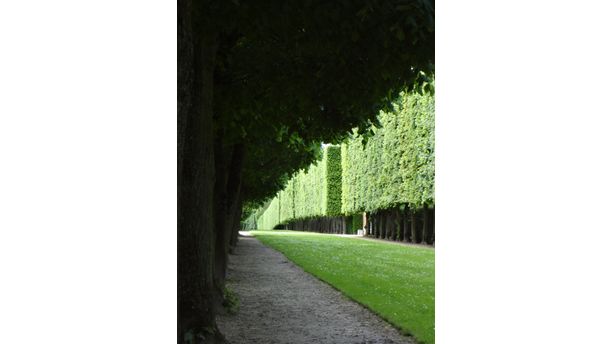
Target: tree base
x,y
203,336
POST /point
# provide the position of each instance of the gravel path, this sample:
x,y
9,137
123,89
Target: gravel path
x,y
280,303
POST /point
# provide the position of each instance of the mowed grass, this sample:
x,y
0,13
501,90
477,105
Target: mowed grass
x,y
395,281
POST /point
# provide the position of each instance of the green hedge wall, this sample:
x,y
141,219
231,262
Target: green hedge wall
x,y
270,217
396,165
419,164
286,203
312,193
393,168
333,181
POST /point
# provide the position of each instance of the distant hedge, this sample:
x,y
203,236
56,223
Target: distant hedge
x,y
389,174
312,193
270,217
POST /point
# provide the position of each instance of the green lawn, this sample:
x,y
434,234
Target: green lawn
x,y
395,281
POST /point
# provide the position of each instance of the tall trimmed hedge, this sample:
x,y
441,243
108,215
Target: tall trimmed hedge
x,y
332,199
396,165
270,217
419,164
286,202
392,169
312,193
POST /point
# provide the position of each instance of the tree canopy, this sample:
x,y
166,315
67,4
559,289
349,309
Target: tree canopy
x,y
292,74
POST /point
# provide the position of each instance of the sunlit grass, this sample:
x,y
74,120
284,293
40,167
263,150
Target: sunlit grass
x,y
395,281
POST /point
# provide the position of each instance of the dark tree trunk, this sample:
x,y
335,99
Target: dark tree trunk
x,y
432,220
234,187
383,224
413,226
386,229
391,224
236,224
196,178
426,225
375,226
220,213
406,224
398,225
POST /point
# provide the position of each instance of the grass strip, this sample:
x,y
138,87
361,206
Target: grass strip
x,y
395,281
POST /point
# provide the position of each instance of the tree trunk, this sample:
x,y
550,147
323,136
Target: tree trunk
x,y
196,178
227,206
234,187
413,226
383,224
425,225
386,229
398,225
375,226
432,220
428,225
236,224
391,224
220,213
406,225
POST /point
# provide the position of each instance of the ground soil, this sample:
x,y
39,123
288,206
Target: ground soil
x,y
280,303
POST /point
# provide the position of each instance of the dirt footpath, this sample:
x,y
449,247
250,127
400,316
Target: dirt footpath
x,y
280,303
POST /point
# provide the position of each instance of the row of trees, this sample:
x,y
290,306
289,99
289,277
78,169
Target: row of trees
x,y
391,177
389,174
260,85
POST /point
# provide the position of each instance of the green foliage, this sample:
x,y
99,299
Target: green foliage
x,y
251,212
333,181
271,216
395,166
418,163
395,281
283,86
311,193
230,301
308,199
250,223
286,197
